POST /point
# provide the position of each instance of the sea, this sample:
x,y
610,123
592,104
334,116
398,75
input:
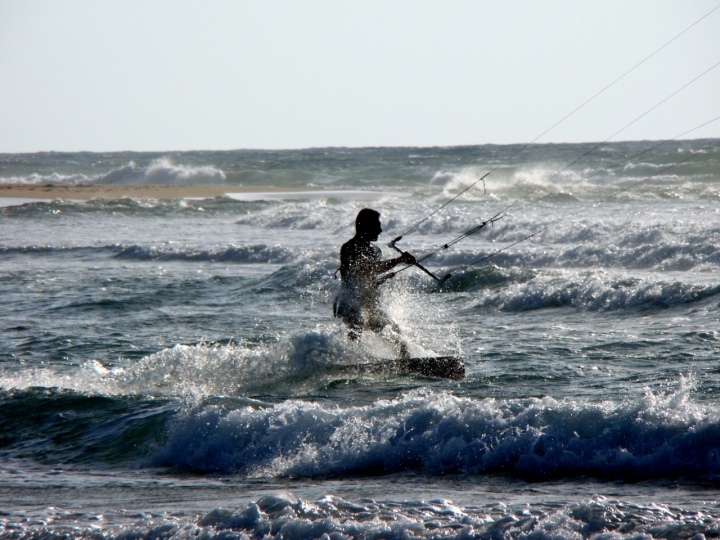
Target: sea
x,y
171,369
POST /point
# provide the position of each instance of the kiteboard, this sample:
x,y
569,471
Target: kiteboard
x,y
441,367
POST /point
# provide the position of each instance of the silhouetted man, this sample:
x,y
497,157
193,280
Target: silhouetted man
x,y
358,303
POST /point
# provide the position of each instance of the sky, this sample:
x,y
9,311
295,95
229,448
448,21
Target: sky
x,y
160,75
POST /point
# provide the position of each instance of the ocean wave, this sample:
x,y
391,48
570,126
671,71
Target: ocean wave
x,y
159,171
487,278
162,171
9,251
551,184
438,433
512,182
249,254
450,168
334,518
213,428
286,517
515,290
454,181
586,245
120,401
196,372
47,424
257,253
52,178
127,206
317,214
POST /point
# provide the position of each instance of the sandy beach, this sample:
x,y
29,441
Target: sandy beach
x,y
135,191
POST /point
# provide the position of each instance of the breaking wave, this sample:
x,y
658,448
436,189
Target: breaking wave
x,y
283,516
437,433
425,431
249,254
159,171
258,253
518,290
199,371
162,171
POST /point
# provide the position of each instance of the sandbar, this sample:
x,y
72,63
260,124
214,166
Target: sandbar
x,y
84,192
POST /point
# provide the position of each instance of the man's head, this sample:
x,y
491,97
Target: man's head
x,y
367,224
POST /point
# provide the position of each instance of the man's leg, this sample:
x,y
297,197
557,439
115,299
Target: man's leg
x,y
401,346
352,318
377,321
354,333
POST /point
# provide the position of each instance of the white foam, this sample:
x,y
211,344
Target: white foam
x,y
54,178
597,291
255,253
455,181
159,171
438,433
194,372
162,171
523,181
284,516
346,195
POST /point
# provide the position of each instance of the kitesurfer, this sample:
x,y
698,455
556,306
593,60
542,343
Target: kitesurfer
x,y
361,273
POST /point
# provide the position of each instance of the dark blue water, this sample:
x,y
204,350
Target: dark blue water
x,y
171,368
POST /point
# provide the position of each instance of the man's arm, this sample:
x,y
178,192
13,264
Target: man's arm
x,y
385,266
356,264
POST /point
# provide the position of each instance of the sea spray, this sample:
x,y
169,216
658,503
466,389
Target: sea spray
x,y
284,516
170,368
439,434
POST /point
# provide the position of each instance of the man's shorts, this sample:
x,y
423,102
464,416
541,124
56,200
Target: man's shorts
x,y
359,319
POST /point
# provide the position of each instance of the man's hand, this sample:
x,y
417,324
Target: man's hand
x,y
407,258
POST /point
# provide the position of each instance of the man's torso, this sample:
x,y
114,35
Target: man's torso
x,y
358,259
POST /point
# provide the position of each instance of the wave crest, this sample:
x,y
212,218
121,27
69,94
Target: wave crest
x,y
162,171
257,253
159,171
592,292
438,433
283,516
196,372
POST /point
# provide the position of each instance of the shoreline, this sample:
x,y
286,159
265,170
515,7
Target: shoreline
x,y
85,192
